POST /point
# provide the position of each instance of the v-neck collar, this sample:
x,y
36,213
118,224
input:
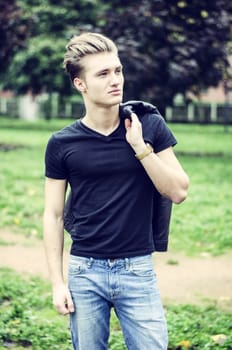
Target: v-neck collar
x,y
95,132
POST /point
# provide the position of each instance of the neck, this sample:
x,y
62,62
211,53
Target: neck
x,y
101,119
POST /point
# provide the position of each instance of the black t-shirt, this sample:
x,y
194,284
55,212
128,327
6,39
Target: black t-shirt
x,y
112,196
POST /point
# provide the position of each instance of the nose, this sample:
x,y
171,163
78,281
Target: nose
x,y
115,79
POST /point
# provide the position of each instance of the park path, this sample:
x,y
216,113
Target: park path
x,y
181,279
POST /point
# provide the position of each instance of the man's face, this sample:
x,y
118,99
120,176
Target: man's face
x,y
103,79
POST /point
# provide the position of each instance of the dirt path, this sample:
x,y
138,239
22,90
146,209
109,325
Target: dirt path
x,y
188,280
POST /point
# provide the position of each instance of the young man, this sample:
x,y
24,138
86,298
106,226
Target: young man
x,y
112,170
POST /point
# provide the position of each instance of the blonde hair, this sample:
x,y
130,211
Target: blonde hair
x,y
82,45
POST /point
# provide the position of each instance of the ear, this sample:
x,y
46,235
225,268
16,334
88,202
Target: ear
x,y
79,84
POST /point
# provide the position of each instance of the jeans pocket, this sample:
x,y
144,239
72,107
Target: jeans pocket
x,y
76,268
142,269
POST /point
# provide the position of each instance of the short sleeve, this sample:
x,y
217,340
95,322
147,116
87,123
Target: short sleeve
x,y
54,163
163,137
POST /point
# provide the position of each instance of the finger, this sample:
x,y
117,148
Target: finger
x,y
69,304
134,117
67,311
127,123
62,308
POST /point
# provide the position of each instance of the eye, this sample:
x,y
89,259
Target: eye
x,y
103,74
118,70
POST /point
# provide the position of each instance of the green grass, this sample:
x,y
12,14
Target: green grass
x,y
201,224
22,173
202,139
28,320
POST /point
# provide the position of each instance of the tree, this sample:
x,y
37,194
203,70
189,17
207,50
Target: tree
x,y
38,67
170,46
166,46
13,32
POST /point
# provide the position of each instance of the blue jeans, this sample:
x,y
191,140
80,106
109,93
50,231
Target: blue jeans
x,y
129,286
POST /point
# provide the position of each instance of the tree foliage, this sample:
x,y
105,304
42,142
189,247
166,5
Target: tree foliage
x,y
38,67
13,31
170,46
166,46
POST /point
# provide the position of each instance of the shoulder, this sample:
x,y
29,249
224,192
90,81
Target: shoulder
x,y
152,118
153,122
58,140
156,130
65,133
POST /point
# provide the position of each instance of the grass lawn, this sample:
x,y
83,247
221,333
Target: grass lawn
x,y
203,222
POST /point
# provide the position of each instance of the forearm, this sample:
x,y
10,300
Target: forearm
x,y
53,226
169,181
163,168
53,243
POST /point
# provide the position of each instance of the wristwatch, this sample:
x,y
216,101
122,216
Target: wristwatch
x,y
146,152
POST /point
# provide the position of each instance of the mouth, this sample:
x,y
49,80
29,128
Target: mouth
x,y
115,92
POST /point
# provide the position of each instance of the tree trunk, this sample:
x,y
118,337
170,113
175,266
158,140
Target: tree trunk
x,y
28,107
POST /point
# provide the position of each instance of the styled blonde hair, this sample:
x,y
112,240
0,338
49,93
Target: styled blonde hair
x,y
82,45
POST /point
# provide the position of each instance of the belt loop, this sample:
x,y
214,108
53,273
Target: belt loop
x,y
127,263
90,263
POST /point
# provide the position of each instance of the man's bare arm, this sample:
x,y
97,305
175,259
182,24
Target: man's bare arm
x,y
53,232
163,168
